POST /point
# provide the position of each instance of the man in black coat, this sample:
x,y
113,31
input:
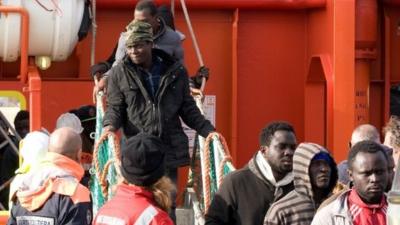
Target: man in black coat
x,y
149,92
245,195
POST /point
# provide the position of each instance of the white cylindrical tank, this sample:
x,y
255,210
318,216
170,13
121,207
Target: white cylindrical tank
x,y
53,28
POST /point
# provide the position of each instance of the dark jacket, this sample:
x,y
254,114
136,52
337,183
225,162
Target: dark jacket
x,y
244,197
52,195
130,106
298,207
8,166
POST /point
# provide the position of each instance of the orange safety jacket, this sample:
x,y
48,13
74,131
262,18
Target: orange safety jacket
x,y
52,194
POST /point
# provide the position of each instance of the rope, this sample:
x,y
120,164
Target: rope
x,y
102,175
103,178
207,189
226,159
94,30
221,169
57,8
194,39
173,8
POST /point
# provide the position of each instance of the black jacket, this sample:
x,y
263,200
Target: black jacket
x,y
58,210
130,106
244,198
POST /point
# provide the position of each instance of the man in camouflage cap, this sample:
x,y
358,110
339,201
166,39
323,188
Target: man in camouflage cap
x,y
164,38
147,93
138,31
139,42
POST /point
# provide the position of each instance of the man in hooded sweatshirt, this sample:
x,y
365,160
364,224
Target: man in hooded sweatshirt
x,y
365,203
246,194
51,194
315,176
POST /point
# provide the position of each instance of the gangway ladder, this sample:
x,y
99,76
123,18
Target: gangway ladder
x,y
7,141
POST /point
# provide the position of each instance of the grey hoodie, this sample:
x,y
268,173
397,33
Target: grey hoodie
x,y
166,39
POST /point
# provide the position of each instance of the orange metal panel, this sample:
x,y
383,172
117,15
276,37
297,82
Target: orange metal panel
x,y
393,47
365,42
320,44
271,74
234,123
376,104
213,29
318,117
386,96
61,96
315,113
344,77
362,73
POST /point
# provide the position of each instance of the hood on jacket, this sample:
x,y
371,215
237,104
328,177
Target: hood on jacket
x,y
161,30
302,157
55,174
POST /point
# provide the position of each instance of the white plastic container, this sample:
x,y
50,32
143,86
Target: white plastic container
x,y
53,28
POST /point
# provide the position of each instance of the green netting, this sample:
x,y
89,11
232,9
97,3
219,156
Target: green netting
x,y
104,154
217,154
213,173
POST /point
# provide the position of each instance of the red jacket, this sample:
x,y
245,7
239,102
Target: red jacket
x,y
364,214
131,205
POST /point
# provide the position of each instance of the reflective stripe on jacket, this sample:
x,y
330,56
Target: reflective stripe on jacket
x,y
131,205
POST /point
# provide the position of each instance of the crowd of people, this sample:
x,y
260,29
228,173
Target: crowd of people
x,y
283,183
148,93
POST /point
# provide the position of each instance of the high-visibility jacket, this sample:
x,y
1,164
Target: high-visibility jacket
x,y
131,205
51,194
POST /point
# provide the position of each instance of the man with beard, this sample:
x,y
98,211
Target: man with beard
x,y
246,194
315,176
365,202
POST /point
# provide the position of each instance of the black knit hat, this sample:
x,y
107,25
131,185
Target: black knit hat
x,y
142,159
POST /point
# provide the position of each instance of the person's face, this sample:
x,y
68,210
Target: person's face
x,y
145,16
279,153
320,174
369,174
140,52
22,127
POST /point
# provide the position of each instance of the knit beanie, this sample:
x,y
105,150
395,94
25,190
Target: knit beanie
x,y
142,159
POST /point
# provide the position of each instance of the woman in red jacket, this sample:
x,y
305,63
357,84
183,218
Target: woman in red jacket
x,y
144,197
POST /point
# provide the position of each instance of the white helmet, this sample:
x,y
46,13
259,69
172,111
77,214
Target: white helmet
x,y
69,120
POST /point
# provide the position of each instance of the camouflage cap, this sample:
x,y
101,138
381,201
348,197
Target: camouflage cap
x,y
138,31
